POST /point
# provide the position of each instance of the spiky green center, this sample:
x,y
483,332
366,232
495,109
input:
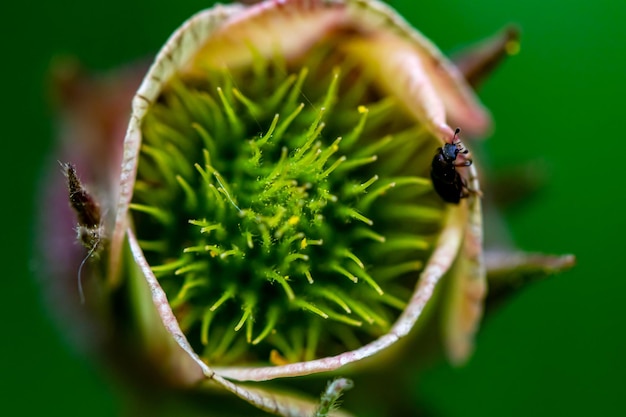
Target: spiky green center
x,y
285,215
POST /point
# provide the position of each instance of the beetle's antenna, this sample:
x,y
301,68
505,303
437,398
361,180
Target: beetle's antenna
x,y
456,132
459,145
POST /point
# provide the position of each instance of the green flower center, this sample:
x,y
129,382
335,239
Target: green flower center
x,y
285,210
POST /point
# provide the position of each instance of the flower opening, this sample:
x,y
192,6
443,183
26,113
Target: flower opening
x,y
285,208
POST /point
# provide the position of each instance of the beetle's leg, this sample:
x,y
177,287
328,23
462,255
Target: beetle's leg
x,y
466,191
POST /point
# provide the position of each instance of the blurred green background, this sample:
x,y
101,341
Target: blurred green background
x,y
556,349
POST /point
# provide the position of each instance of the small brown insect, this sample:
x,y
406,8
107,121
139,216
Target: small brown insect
x,y
89,229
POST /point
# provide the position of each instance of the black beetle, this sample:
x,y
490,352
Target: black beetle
x,y
447,181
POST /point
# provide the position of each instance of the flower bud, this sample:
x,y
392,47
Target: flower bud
x,y
270,213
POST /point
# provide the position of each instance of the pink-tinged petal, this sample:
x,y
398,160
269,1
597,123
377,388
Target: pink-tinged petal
x,y
508,271
461,105
478,61
289,28
403,75
501,264
94,115
466,290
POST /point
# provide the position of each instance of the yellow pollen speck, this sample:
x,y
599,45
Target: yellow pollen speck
x,y
277,359
512,47
362,109
293,220
303,243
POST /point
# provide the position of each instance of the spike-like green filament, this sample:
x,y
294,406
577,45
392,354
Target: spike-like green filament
x,y
270,324
275,276
251,106
354,136
158,214
403,242
341,270
312,340
191,267
343,318
367,278
229,293
191,199
417,213
386,273
350,164
350,255
224,341
284,125
153,245
366,313
364,233
296,91
206,322
310,307
269,133
393,301
331,295
169,267
182,295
